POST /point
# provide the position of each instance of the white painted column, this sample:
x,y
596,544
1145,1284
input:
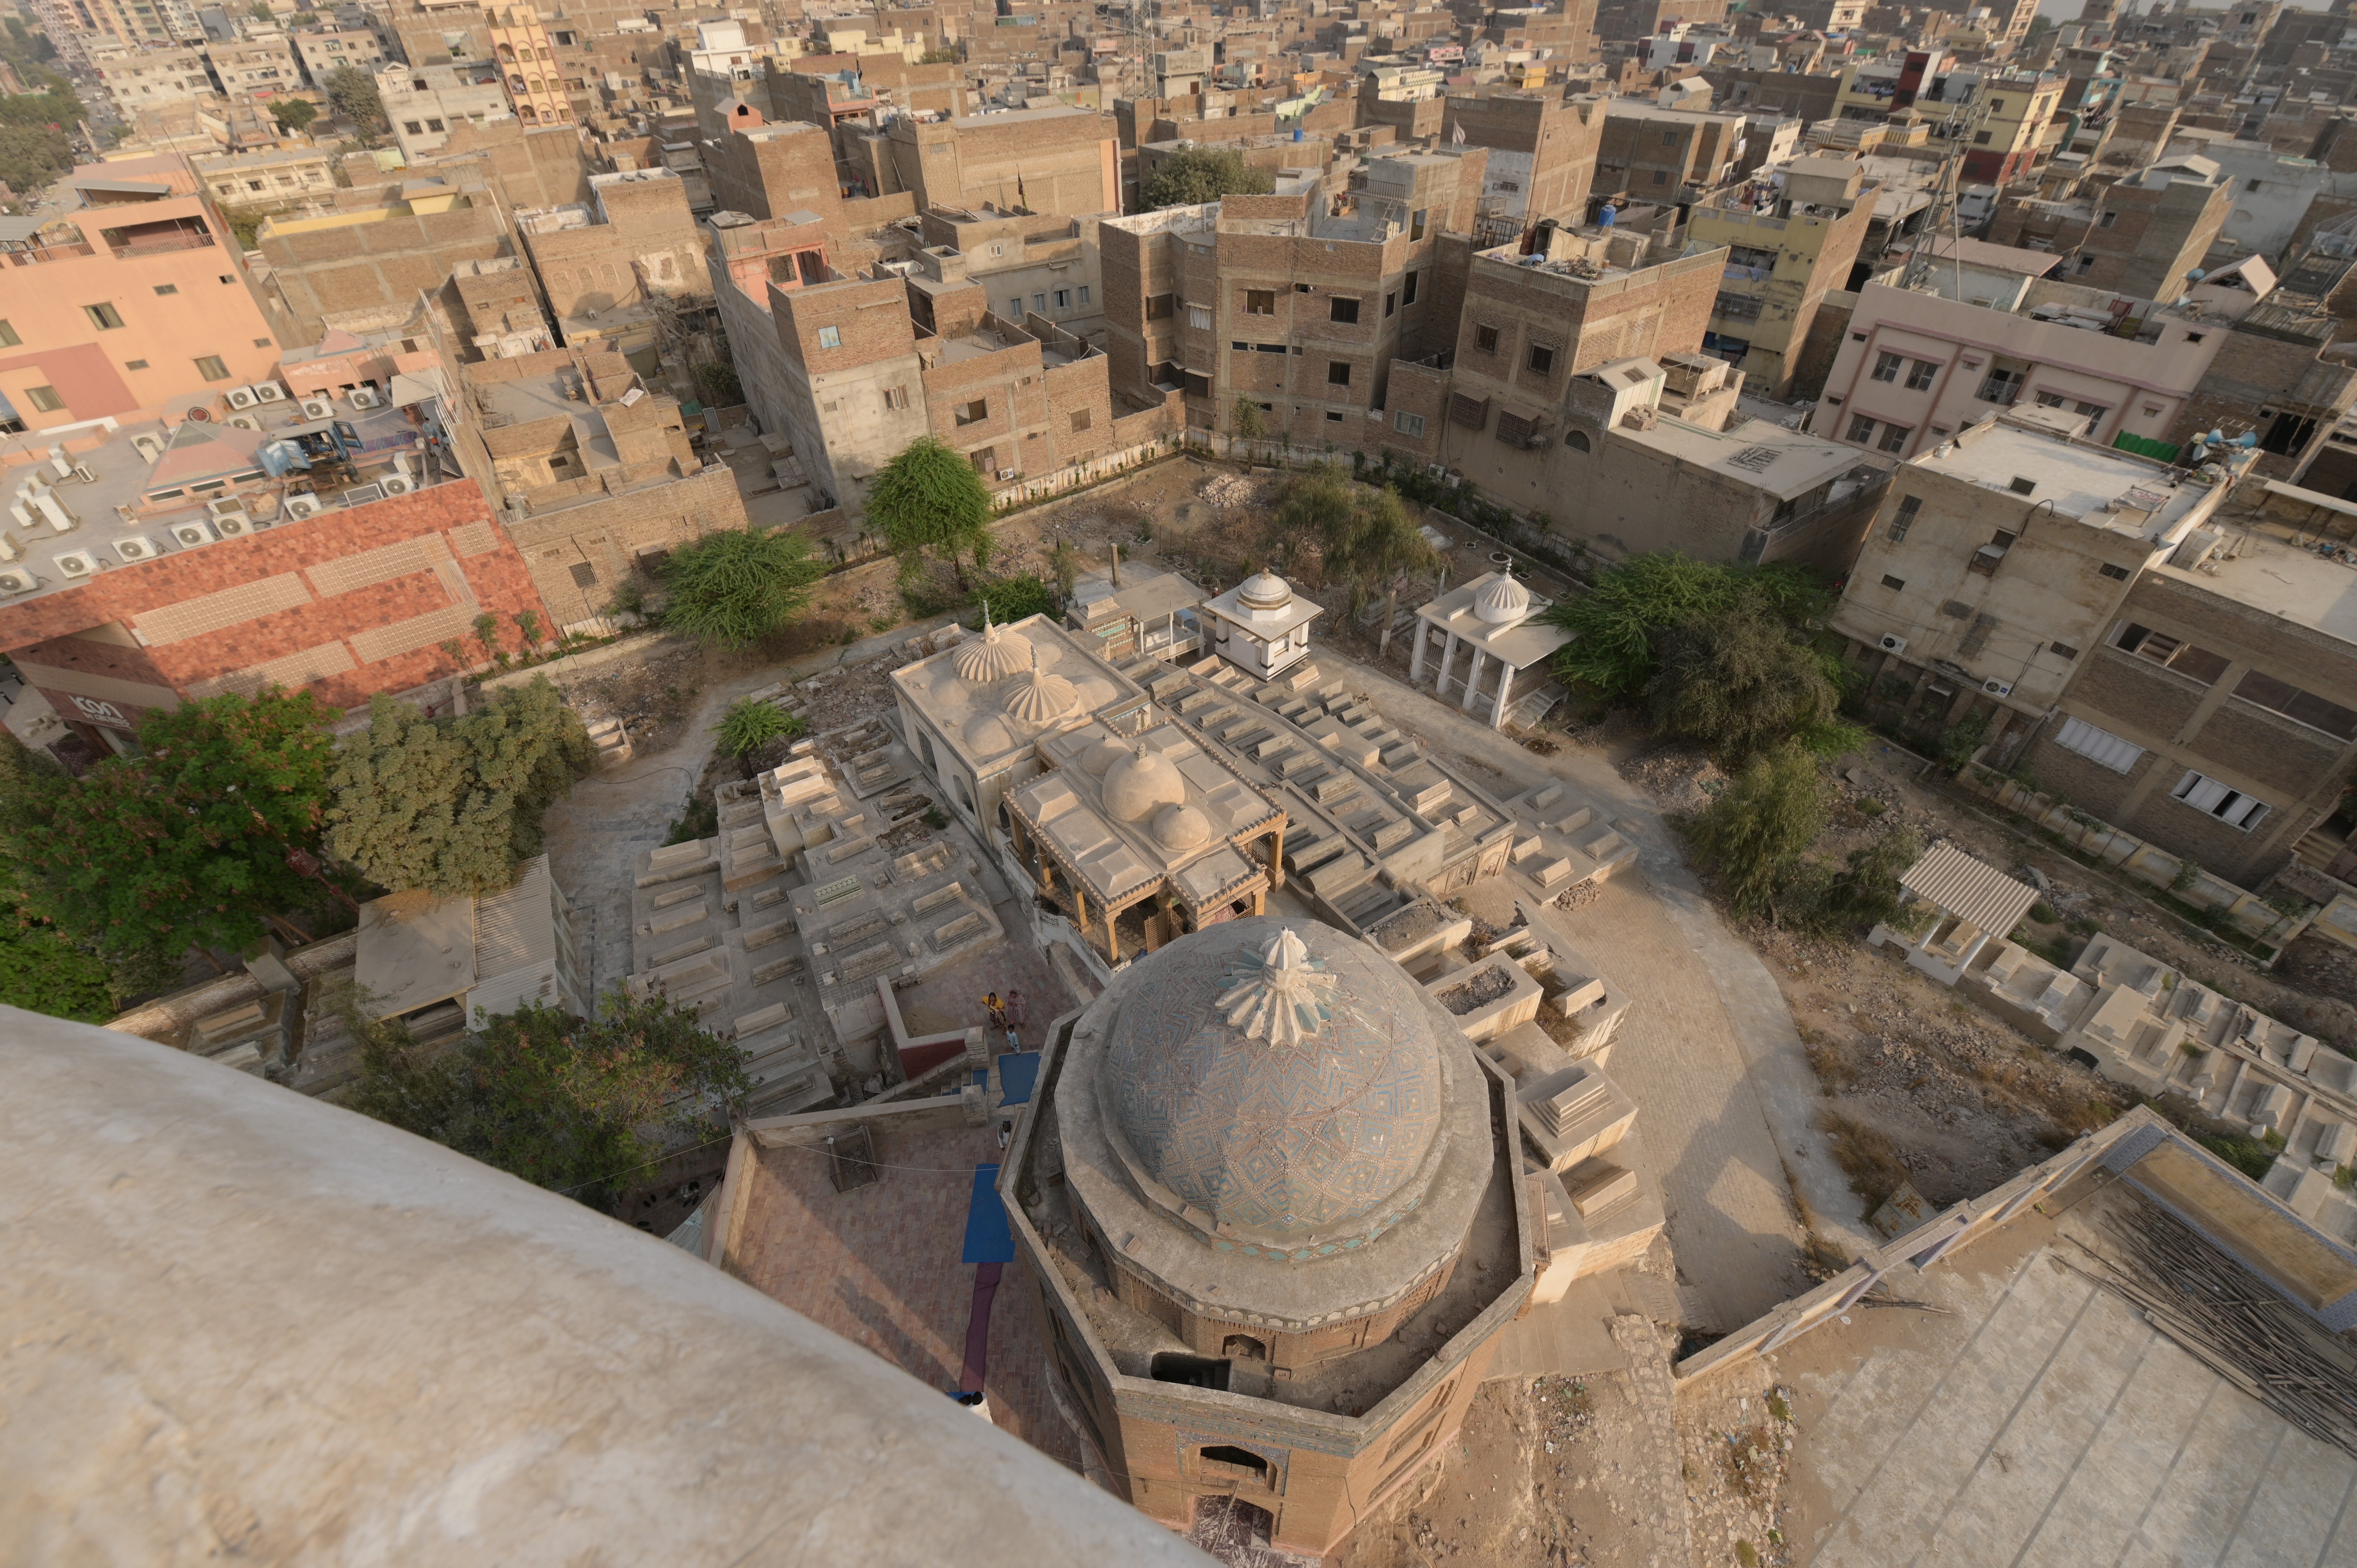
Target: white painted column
x,y
1415,659
1472,680
1447,657
1505,684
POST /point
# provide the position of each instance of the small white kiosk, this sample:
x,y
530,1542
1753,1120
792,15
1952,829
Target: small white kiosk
x,y
1259,627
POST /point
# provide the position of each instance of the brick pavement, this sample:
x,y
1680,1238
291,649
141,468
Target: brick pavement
x,y
879,1265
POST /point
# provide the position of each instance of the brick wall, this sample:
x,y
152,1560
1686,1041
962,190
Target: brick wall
x,y
303,599
580,556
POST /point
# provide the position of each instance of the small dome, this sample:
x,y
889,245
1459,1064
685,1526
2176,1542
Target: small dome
x,y
1141,784
994,656
1264,593
1037,697
1503,602
986,735
1098,760
1181,827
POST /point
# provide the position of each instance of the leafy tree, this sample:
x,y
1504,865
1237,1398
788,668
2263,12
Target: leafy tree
x,y
928,501
41,971
1740,681
352,94
24,48
1064,564
736,587
1754,834
33,155
1365,536
1014,598
487,632
528,627
293,114
577,1105
1246,419
53,106
185,846
750,723
453,806
718,382
1614,623
1196,175
1865,891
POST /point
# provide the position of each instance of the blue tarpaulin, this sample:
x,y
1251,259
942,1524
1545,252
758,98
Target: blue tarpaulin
x,y
988,1239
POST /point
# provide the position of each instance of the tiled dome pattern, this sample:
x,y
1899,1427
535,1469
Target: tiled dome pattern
x,y
1277,1144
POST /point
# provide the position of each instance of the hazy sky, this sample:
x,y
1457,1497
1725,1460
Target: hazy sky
x,y
2068,10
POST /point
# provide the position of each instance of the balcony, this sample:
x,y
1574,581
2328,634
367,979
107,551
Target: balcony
x,y
156,244
34,256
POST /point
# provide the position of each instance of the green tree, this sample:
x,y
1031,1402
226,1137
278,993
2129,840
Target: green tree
x,y
1365,536
1015,599
1866,892
583,1107
1196,175
928,501
1753,835
33,155
41,971
1613,624
752,723
736,587
187,844
453,806
293,114
352,94
718,381
487,632
1245,419
1740,681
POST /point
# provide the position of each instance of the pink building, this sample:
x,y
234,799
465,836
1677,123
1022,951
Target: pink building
x,y
135,297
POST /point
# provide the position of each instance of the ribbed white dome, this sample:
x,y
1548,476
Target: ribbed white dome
x,y
1141,784
1502,602
1036,697
1264,593
994,656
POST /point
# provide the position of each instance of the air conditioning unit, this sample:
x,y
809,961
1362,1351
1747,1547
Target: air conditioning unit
x,y
319,408
397,484
1891,644
1006,474
1998,688
300,507
232,524
245,421
136,549
242,397
16,582
364,397
224,506
84,475
150,445
190,535
363,494
75,564
269,392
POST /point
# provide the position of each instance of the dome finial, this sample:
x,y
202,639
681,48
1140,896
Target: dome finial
x,y
1278,993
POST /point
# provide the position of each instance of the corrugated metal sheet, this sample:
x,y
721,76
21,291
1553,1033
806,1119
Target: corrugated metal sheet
x,y
1969,889
516,929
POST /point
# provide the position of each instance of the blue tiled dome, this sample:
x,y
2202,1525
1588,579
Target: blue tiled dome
x,y
1281,1080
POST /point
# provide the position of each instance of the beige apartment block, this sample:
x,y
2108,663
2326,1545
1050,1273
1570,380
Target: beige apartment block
x,y
266,66
1058,160
1045,266
253,182
146,78
1782,260
325,52
1297,304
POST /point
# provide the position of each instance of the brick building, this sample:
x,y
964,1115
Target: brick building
x,y
2142,236
1542,150
212,575
1299,303
1667,155
1781,261
362,268
1063,161
1047,265
609,262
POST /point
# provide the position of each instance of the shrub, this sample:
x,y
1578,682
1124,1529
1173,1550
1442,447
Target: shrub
x,y
1753,835
750,723
739,586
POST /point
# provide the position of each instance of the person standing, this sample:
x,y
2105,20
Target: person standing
x,y
997,1009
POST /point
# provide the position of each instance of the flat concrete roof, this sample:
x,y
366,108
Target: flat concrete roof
x,y
2078,478
1786,463
414,949
2283,580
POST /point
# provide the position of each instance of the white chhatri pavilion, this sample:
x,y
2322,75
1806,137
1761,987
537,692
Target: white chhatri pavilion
x,y
1259,626
1496,618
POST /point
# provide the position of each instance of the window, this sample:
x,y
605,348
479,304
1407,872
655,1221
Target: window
x,y
1541,360
1301,288
2305,707
1904,518
1200,316
1226,1458
162,288
1014,308
2061,650
1390,302
1894,584
1416,223
2231,807
2098,746
1886,366
1861,428
1980,138
1157,308
262,342
2158,648
1260,302
435,126
1485,338
2002,386
973,412
1080,420
1408,423
985,459
134,364
1039,302
413,127
1332,417
227,278
1407,289
105,317
895,397
2118,574
1660,178
1669,138
1894,437
46,399
1338,372
1577,440
1340,308
585,575
830,337
1919,376
211,368
1063,299
1084,294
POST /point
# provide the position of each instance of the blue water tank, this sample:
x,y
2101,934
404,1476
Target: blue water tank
x,y
1605,218
1297,133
